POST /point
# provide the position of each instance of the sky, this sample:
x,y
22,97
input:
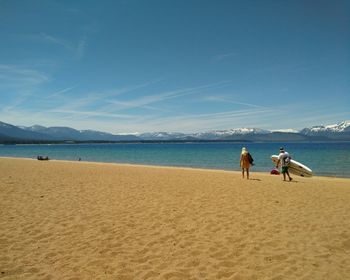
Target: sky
x,y
126,66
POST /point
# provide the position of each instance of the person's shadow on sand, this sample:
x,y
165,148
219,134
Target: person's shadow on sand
x,y
293,181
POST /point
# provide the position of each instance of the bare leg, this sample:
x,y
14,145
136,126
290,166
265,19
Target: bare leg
x,y
247,173
242,172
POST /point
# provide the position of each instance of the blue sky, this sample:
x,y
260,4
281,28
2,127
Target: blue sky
x,y
187,66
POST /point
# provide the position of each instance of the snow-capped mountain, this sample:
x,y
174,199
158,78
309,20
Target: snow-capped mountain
x,y
68,133
218,134
328,130
209,135
104,136
13,132
340,131
163,136
59,133
287,130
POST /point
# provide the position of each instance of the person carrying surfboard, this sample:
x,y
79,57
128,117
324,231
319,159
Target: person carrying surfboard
x,y
245,161
284,159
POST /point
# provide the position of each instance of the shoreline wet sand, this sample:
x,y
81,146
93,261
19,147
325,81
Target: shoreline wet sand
x,y
79,220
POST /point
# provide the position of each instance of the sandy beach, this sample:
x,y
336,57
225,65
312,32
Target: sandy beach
x,y
79,220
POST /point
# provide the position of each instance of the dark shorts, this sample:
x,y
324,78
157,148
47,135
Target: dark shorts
x,y
284,169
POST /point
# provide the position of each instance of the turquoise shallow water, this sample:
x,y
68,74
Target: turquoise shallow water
x,y
325,159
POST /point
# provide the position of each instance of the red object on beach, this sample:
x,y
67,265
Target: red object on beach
x,y
275,171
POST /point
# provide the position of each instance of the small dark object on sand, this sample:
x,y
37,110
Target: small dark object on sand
x,y
42,158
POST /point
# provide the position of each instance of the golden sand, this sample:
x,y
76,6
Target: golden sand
x,y
77,220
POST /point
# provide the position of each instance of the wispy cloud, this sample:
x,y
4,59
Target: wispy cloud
x,y
314,114
203,122
16,76
58,41
295,67
72,113
81,48
108,103
18,83
78,49
145,101
100,100
110,110
228,100
59,93
224,56
197,122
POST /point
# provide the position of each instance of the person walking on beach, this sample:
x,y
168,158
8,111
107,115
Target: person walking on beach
x,y
284,159
245,161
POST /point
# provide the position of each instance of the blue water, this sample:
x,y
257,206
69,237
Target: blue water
x,y
325,159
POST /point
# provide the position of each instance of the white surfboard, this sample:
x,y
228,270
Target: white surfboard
x,y
296,167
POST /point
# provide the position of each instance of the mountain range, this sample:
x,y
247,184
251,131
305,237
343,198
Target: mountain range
x,y
37,133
